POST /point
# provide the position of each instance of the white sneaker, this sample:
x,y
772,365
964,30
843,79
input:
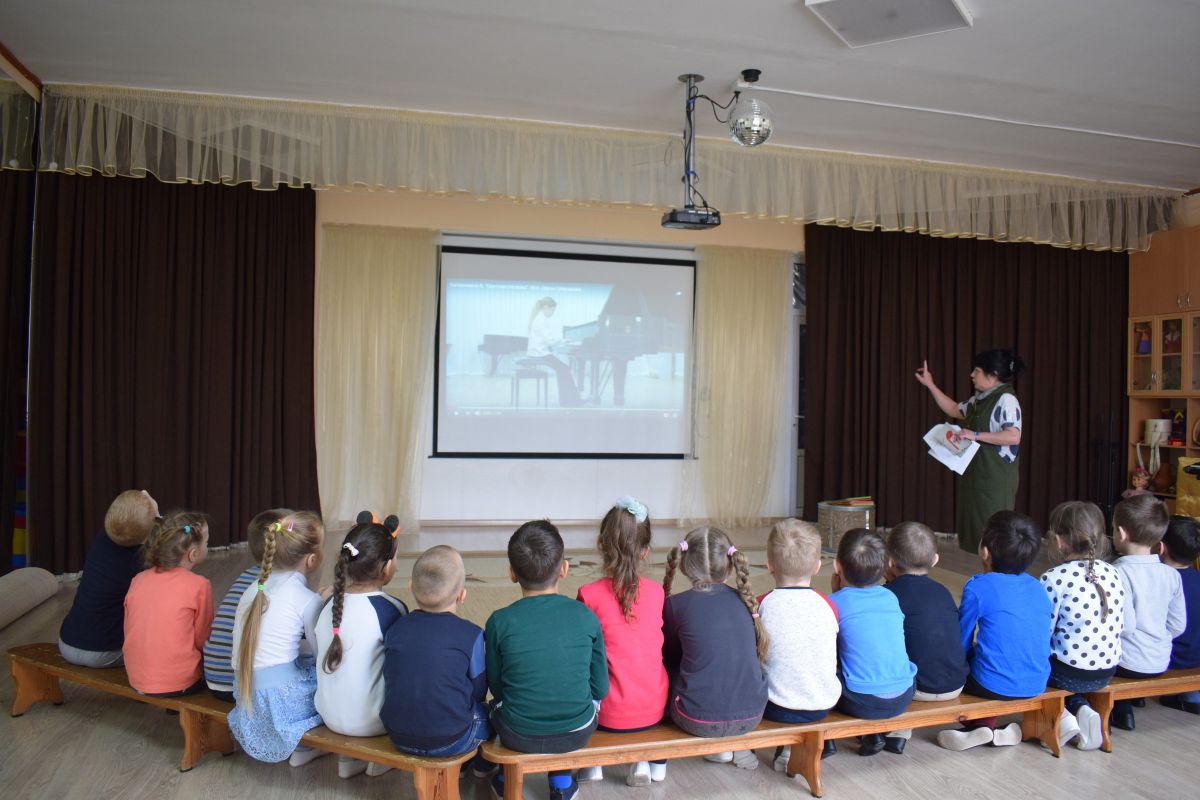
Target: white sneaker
x,y
1090,734
719,758
639,774
1068,728
590,774
349,767
745,759
375,770
1008,735
658,772
781,760
303,755
964,740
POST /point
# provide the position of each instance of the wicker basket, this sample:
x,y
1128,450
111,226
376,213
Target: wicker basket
x,y
835,517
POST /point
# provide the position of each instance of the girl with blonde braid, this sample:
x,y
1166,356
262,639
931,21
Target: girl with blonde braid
x,y
273,639
714,643
350,634
629,607
1088,602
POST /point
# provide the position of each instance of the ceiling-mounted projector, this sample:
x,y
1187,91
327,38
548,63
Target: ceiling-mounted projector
x,y
691,218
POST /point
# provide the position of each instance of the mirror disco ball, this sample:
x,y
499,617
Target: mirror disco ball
x,y
750,123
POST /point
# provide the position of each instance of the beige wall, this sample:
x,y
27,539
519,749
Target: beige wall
x,y
469,215
574,489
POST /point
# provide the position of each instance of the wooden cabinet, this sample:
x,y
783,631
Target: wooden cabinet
x,y
1163,347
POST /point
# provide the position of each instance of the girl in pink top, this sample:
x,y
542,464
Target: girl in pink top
x,y
630,611
169,609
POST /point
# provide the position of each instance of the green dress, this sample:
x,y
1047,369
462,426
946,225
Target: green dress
x,y
990,483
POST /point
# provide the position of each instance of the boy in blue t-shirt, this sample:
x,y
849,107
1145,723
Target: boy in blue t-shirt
x,y
433,667
1006,621
931,633
1180,549
873,665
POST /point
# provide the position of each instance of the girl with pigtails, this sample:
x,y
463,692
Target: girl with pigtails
x,y
630,609
1087,598
714,643
273,639
350,634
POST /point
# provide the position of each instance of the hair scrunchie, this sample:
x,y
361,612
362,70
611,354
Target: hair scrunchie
x,y
683,545
633,507
730,551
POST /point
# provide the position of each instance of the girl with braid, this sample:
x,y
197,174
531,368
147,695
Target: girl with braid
x,y
273,637
1088,601
714,643
629,608
350,633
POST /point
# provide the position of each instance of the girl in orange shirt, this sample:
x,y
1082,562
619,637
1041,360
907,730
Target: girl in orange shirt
x,y
168,609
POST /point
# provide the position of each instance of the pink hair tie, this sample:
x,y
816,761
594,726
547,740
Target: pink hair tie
x,y
754,615
683,546
336,630
731,551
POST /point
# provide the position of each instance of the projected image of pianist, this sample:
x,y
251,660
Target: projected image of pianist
x,y
544,338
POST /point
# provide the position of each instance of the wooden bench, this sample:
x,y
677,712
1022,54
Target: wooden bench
x,y
807,740
1175,681
37,669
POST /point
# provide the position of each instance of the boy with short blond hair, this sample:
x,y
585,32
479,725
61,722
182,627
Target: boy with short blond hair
x,y
434,667
931,634
801,663
1155,609
93,632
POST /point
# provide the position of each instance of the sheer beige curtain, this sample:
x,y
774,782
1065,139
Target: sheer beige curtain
x,y
200,138
376,309
743,307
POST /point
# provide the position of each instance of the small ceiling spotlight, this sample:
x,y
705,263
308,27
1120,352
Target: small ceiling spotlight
x,y
749,121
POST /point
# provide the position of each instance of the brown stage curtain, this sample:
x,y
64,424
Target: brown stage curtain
x,y
879,303
16,235
172,350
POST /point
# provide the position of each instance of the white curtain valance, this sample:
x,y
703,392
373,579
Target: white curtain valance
x,y
179,137
18,121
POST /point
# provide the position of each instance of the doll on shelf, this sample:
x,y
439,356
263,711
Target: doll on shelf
x,y
1139,480
1172,338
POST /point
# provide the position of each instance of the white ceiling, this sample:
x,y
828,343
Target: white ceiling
x,y
1120,66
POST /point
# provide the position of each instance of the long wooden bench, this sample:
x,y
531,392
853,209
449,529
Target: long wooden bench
x,y
1175,681
1040,722
37,669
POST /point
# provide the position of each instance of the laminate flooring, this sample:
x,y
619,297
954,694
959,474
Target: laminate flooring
x,y
99,746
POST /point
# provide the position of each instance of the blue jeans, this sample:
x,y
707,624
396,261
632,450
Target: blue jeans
x,y
551,743
478,732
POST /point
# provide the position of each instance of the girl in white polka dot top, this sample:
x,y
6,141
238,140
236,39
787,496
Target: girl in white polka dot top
x,y
1088,600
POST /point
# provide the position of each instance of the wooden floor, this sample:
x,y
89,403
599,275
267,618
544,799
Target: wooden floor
x,y
97,746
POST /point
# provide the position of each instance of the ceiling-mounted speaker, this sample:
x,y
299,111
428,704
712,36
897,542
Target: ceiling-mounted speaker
x,y
859,23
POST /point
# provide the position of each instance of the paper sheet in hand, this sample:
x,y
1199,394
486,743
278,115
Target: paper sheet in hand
x,y
944,449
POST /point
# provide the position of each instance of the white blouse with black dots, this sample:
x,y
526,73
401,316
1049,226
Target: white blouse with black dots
x,y
1080,639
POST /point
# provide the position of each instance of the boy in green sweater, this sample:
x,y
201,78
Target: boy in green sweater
x,y
545,659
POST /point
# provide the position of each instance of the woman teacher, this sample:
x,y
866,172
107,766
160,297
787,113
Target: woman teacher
x,y
992,417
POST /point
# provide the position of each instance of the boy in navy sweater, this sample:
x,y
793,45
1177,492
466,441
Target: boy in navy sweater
x,y
1180,549
433,667
931,633
873,665
1006,621
93,631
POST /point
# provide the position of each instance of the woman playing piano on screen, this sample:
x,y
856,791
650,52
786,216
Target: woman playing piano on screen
x,y
544,335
